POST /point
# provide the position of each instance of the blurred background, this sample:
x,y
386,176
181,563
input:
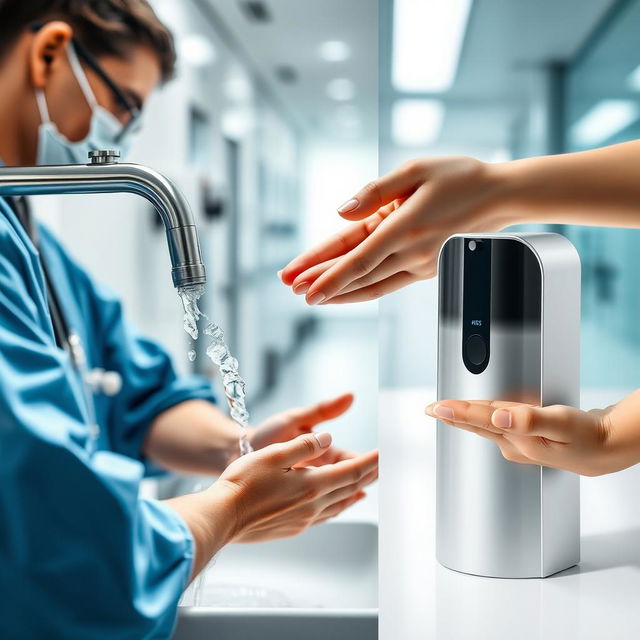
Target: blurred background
x,y
270,124
513,79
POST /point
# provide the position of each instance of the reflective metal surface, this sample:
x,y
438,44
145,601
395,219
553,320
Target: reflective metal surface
x,y
111,177
495,517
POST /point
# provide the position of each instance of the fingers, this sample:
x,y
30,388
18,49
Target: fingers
x,y
391,265
295,451
336,246
393,235
332,456
375,291
510,450
460,412
337,508
344,492
344,473
302,282
322,411
397,184
556,423
355,264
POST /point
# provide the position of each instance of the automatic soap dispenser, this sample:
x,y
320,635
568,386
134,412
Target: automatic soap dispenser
x,y
509,326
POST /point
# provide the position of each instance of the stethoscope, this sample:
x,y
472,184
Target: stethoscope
x,y
92,381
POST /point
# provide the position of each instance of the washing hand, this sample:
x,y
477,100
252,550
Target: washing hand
x,y
294,422
283,489
590,443
275,492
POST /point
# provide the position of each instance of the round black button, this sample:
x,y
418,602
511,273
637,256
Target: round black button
x,y
475,349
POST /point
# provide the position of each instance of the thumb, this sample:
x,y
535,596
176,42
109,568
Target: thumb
x,y
555,422
396,185
297,450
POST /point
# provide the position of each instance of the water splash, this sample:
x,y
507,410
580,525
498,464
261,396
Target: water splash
x,y
218,352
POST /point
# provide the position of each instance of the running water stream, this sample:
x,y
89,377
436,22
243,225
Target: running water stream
x,y
219,354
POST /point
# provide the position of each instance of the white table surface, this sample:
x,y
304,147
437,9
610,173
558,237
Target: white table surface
x,y
597,600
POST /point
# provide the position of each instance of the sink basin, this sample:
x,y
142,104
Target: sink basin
x,y
320,585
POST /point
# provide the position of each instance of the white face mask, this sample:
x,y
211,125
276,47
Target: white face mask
x,y
104,132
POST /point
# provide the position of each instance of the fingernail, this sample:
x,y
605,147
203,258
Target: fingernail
x,y
324,439
280,273
429,409
301,288
446,413
501,419
349,205
316,298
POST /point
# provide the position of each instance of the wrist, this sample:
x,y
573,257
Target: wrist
x,y
211,518
533,190
508,192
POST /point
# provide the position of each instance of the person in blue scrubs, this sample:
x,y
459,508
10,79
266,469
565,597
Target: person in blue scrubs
x,y
81,554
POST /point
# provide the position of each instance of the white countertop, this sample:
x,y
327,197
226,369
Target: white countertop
x,y
597,600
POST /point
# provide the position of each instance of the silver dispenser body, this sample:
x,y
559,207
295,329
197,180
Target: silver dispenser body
x,y
509,326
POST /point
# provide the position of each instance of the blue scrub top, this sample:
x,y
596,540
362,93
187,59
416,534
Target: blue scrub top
x,y
82,556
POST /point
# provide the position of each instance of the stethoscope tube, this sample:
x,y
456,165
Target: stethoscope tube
x,y
92,381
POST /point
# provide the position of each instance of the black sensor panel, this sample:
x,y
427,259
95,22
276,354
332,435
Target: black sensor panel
x,y
476,304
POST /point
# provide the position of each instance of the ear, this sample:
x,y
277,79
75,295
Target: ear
x,y
48,50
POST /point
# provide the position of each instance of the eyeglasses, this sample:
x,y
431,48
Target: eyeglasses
x,y
133,111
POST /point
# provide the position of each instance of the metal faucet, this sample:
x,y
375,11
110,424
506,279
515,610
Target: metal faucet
x,y
104,174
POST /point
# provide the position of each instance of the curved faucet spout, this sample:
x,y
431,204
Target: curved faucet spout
x,y
104,175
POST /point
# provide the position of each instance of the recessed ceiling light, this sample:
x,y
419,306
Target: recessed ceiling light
x,y
286,74
416,123
237,122
341,89
197,50
347,119
427,39
256,10
603,121
237,87
335,51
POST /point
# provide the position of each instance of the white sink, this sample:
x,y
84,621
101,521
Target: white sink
x,y
320,585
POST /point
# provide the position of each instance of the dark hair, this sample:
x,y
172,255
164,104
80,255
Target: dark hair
x,y
104,27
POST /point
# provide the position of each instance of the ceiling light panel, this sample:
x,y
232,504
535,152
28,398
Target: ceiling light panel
x,y
334,51
427,40
633,80
604,120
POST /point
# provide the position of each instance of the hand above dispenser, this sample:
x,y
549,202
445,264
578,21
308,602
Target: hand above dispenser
x,y
400,221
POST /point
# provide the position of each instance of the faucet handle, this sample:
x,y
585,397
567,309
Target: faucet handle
x,y
104,156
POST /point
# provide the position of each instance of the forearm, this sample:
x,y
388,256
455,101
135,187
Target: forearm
x,y
210,516
599,188
193,437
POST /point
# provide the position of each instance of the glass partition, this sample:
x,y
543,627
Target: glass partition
x,y
602,108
